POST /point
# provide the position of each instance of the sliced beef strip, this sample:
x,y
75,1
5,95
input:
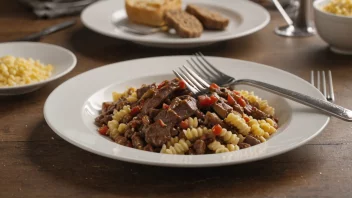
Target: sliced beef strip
x,y
200,115
208,138
137,141
158,97
129,132
243,145
174,132
248,109
175,102
168,116
153,112
238,108
157,135
222,109
199,146
251,140
123,141
148,147
191,151
144,89
258,114
106,106
212,119
186,107
102,120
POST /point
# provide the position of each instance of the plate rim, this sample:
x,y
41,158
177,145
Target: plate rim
x,y
168,164
187,41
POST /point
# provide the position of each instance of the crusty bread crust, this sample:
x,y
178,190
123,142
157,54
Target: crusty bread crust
x,y
210,19
153,15
186,25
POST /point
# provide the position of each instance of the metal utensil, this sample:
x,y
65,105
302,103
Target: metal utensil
x,y
329,96
301,26
47,31
204,73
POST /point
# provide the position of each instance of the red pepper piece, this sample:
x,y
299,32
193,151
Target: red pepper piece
x,y
161,123
217,129
184,124
103,130
135,110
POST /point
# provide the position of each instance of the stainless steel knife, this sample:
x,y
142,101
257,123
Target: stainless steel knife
x,y
47,31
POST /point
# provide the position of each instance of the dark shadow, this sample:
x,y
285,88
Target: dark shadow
x,y
83,170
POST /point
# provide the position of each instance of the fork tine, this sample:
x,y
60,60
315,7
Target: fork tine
x,y
331,87
203,72
189,82
312,77
318,80
207,68
198,78
194,68
324,84
190,78
193,90
200,54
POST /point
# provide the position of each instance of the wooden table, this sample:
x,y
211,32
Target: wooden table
x,y
35,162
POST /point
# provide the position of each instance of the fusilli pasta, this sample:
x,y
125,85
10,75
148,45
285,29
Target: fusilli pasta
x,y
229,137
217,147
232,147
267,127
263,104
192,122
126,94
193,133
255,127
179,148
238,122
118,115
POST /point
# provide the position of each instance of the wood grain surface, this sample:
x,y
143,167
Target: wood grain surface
x,y
35,162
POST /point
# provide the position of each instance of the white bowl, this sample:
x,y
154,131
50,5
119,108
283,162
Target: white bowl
x,y
336,30
62,59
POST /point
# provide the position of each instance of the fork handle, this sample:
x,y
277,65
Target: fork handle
x,y
329,108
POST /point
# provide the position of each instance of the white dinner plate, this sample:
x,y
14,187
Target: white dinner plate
x,y
245,17
62,60
71,108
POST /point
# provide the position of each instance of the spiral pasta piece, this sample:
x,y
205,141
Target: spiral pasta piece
x,y
113,126
267,127
263,104
238,122
179,148
232,147
172,141
217,147
118,115
255,127
229,137
193,133
192,122
126,94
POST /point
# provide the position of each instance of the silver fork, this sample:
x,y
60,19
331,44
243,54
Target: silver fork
x,y
203,73
330,96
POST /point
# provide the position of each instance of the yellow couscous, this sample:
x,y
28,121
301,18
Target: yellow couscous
x,y
339,7
20,71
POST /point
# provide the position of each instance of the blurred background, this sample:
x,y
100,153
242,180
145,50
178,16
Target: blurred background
x,y
46,9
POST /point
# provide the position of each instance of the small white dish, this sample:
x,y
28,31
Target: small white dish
x,y
73,119
62,59
245,17
334,29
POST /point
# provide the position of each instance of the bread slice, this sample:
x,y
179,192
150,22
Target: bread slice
x,y
150,12
210,19
186,25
